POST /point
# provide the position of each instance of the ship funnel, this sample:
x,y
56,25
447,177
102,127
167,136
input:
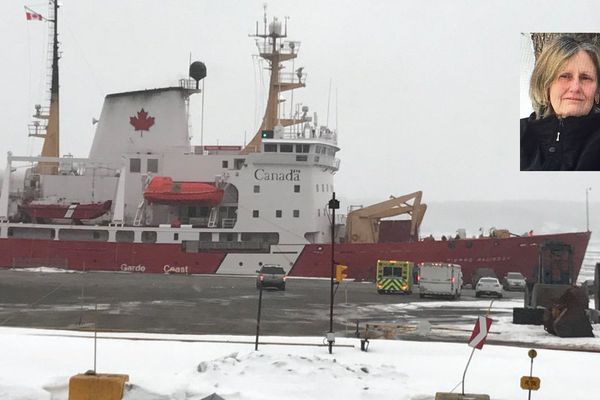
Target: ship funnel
x,y
197,71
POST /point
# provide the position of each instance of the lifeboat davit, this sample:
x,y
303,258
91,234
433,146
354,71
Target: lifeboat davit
x,y
162,190
65,210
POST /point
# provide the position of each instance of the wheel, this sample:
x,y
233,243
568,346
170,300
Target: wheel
x,y
477,294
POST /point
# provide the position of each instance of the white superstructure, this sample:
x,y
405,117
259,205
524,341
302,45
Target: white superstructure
x,y
275,190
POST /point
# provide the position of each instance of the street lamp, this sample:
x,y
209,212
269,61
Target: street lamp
x,y
334,204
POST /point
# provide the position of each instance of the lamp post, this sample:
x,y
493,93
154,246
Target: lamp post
x,y
334,204
587,208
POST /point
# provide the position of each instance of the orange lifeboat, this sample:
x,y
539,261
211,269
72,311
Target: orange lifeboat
x,y
162,190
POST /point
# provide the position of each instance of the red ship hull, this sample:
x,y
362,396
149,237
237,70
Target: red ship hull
x,y
503,255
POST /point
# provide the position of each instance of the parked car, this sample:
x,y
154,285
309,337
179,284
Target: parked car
x,y
488,286
271,275
482,272
514,281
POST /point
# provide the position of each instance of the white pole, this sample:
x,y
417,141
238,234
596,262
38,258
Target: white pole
x,y
587,209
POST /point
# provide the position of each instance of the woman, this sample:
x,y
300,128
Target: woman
x,y
563,133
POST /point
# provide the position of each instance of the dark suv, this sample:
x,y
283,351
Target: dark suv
x,y
271,275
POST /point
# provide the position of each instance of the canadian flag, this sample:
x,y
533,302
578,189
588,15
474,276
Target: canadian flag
x,y
31,15
480,331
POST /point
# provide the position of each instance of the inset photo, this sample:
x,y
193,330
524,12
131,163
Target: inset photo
x,y
560,102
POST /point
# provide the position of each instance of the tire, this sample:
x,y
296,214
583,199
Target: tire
x,y
477,294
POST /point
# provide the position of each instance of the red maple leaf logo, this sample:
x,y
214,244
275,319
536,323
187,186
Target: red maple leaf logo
x,y
141,122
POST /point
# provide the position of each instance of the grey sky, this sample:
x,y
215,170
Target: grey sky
x,y
428,90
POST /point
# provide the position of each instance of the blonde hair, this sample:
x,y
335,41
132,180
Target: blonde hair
x,y
554,55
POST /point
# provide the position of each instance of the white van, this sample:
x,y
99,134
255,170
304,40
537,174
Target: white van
x,y
440,279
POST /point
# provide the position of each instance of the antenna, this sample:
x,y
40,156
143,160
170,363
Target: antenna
x,y
265,17
336,109
328,101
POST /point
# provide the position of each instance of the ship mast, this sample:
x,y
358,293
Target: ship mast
x,y
273,49
51,136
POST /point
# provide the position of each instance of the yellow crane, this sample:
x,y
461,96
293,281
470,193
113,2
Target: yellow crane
x,y
362,225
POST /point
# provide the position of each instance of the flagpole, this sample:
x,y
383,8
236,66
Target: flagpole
x,y
465,372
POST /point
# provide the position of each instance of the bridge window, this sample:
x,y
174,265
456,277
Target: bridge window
x,y
135,165
277,213
302,148
296,213
296,188
254,213
152,165
270,148
286,148
225,164
256,188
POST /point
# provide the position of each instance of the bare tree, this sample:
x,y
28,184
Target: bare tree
x,y
540,39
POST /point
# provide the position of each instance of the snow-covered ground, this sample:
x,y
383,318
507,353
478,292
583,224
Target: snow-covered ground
x,y
37,364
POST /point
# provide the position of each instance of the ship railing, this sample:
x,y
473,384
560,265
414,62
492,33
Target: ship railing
x,y
187,83
307,132
293,77
285,47
37,129
228,222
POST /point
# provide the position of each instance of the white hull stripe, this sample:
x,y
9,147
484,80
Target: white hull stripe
x,y
70,210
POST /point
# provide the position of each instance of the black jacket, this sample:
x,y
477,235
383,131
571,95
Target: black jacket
x,y
565,144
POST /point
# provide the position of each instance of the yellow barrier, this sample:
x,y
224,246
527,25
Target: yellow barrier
x,y
97,386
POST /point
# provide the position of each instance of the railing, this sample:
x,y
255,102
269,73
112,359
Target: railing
x,y
293,77
188,84
303,133
287,47
228,222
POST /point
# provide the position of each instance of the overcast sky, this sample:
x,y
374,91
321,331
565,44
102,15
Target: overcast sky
x,y
427,91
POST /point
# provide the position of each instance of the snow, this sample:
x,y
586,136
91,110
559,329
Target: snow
x,y
37,364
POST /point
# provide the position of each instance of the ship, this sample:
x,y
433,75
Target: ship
x,y
150,201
